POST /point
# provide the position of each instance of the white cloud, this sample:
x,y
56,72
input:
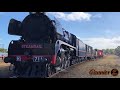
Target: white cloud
x,y
97,16
103,43
73,16
57,14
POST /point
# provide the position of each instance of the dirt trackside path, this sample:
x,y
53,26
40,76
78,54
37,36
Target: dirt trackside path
x,y
4,69
82,70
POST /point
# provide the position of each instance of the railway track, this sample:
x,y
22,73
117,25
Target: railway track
x,y
69,67
60,70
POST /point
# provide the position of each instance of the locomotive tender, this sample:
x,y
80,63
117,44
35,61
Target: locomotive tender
x,y
44,47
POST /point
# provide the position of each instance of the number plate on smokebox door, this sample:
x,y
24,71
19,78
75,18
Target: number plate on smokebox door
x,y
39,59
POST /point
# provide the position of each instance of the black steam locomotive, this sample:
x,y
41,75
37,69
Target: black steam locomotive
x,y
44,47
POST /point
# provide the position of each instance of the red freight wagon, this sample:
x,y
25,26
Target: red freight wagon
x,y
99,53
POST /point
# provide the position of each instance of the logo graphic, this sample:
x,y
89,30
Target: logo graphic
x,y
114,72
94,72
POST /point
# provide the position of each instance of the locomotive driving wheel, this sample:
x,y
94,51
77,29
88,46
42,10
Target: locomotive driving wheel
x,y
48,71
63,64
68,60
59,64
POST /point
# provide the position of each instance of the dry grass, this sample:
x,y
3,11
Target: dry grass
x,y
82,70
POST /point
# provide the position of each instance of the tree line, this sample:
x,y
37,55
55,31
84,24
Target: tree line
x,y
2,50
108,51
117,51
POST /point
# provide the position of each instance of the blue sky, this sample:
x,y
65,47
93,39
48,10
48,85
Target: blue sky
x,y
98,29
